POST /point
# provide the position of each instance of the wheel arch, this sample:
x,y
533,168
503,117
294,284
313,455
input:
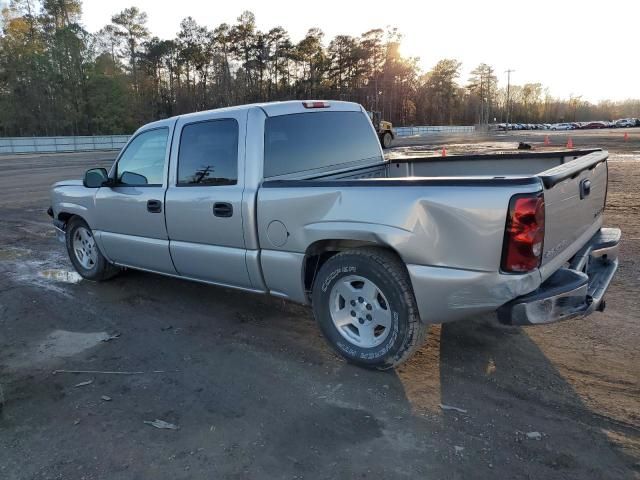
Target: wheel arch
x,y
63,218
66,211
318,252
66,216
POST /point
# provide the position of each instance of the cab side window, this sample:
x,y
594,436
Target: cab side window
x,y
142,163
208,153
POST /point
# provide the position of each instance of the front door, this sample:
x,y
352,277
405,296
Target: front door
x,y
204,200
130,215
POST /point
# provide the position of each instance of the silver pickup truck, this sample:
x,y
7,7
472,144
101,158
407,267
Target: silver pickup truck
x,y
295,199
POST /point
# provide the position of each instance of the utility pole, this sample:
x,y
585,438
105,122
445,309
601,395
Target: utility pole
x,y
489,99
482,99
508,72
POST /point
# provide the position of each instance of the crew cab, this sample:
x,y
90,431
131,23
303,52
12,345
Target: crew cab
x,y
296,199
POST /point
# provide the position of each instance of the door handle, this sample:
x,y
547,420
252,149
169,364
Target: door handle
x,y
154,206
223,209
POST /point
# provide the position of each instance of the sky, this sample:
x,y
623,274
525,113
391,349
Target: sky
x,y
588,48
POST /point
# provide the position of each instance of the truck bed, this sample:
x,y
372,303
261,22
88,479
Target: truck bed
x,y
571,219
481,166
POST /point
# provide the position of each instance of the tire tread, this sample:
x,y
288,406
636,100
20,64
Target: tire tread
x,y
389,261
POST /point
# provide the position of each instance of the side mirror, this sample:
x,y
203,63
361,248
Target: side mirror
x,y
133,179
95,178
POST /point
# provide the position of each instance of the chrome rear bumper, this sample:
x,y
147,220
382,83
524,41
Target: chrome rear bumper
x,y
574,291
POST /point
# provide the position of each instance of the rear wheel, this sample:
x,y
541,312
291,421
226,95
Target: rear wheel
x,y
385,139
365,307
84,252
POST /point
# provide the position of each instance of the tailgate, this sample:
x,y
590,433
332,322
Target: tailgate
x,y
574,195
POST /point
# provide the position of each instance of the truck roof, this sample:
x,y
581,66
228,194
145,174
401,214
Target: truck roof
x,y
271,109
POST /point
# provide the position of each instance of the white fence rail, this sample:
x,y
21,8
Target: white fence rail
x,y
10,145
426,130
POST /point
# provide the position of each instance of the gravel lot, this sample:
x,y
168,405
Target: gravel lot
x,y
256,393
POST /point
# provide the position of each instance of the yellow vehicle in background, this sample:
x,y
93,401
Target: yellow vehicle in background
x,y
383,128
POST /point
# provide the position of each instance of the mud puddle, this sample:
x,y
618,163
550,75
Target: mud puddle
x,y
10,253
57,345
59,275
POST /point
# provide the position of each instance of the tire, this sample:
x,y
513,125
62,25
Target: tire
x,y
343,282
84,253
385,139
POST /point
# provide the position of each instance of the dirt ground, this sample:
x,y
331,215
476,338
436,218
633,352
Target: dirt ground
x,y
255,392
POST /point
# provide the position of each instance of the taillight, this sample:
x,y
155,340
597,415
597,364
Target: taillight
x,y
524,234
315,104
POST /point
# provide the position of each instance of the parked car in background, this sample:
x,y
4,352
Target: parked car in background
x,y
625,123
594,125
561,126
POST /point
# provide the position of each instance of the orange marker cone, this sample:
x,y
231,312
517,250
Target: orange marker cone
x,y
547,142
570,143
626,136
444,151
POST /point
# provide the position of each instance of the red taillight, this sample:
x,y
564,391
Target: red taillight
x,y
315,104
524,234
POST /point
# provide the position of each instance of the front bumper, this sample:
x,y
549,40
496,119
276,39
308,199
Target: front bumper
x,y
574,291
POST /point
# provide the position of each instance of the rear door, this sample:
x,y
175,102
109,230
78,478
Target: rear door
x,y
574,197
204,198
130,215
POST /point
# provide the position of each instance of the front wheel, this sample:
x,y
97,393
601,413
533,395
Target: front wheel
x,y
365,307
84,252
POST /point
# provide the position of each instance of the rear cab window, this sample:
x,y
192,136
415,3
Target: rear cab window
x,y
316,141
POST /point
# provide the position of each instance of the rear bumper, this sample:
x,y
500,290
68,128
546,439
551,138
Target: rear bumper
x,y
574,291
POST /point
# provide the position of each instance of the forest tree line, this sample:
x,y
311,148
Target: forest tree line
x,y
56,78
